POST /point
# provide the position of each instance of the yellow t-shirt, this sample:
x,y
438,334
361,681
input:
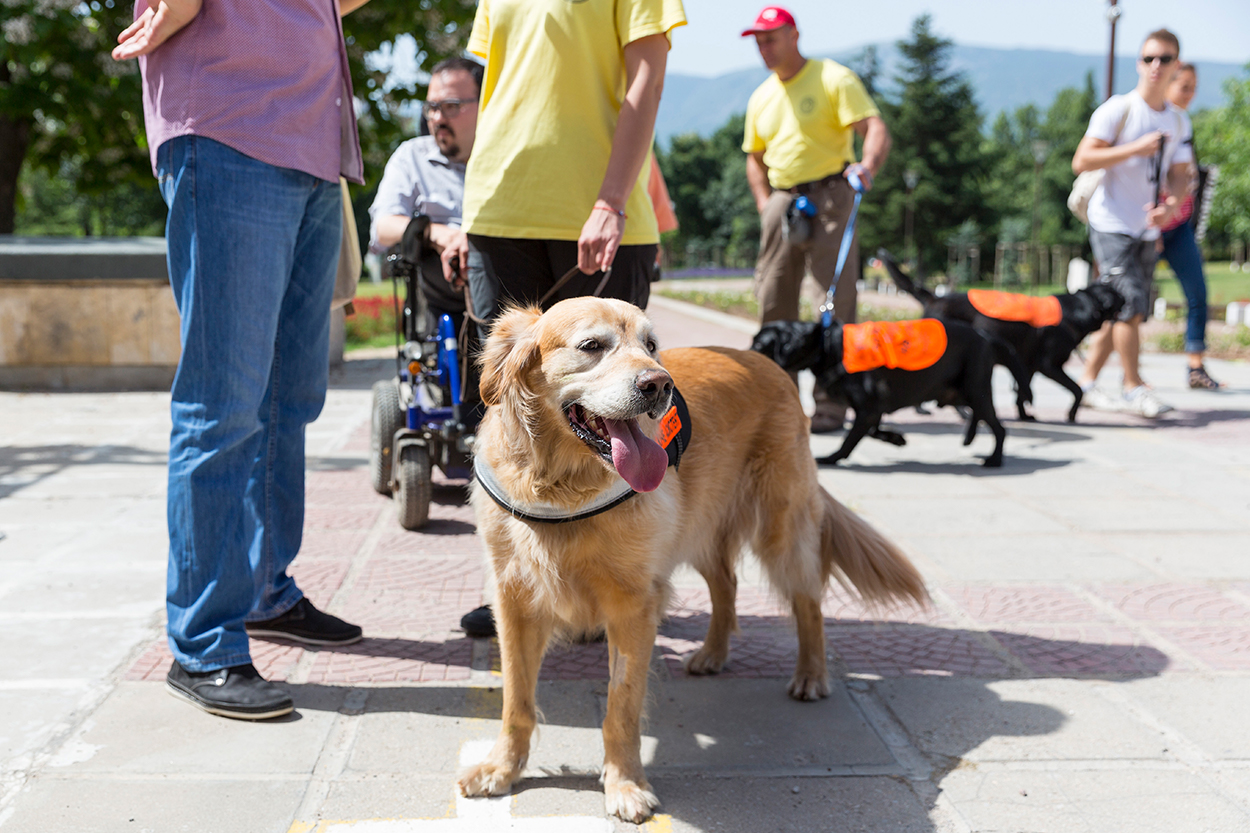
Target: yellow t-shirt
x,y
555,81
803,125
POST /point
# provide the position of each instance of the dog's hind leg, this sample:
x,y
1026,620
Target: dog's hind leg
x,y
522,641
722,585
811,675
631,636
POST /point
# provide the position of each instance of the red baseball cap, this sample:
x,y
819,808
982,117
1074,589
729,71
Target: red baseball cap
x,y
773,17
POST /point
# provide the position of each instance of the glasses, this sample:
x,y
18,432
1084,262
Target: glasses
x,y
1163,60
450,107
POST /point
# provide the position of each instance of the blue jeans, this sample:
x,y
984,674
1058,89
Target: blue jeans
x,y
1180,249
253,251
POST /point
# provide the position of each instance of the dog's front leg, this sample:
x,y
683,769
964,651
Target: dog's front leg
x,y
630,640
522,641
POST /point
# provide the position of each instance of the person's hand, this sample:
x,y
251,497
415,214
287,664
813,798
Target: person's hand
x,y
154,27
1158,216
455,258
1147,145
600,238
861,171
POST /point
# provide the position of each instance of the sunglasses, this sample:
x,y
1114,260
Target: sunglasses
x,y
1163,60
450,107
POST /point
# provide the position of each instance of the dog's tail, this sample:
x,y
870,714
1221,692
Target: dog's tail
x,y
903,281
865,561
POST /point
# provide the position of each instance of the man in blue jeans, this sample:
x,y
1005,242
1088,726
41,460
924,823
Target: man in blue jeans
x,y
248,110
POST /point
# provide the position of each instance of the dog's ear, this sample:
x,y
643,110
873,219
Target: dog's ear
x,y
510,350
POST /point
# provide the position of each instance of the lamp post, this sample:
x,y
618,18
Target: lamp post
x,y
1113,14
911,178
1041,149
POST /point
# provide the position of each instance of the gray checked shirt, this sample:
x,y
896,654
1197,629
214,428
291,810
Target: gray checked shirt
x,y
418,180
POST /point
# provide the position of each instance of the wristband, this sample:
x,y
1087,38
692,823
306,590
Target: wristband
x,y
617,211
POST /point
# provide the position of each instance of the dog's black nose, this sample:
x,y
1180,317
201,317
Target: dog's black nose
x,y
654,384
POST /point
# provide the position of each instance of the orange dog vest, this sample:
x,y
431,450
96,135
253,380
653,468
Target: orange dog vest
x,y
910,345
1006,306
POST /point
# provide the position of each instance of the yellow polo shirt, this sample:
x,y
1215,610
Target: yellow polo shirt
x,y
555,81
803,125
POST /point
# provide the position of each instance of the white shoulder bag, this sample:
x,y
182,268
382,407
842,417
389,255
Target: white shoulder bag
x,y
1087,182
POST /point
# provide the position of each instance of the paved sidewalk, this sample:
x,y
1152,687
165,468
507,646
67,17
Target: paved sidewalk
x,y
1085,666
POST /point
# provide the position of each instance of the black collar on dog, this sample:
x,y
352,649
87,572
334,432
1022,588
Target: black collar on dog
x,y
675,431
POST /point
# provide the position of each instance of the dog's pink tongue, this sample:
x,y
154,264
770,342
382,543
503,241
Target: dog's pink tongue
x,y
638,458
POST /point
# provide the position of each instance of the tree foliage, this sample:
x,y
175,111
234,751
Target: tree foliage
x,y
68,109
1222,137
64,103
936,127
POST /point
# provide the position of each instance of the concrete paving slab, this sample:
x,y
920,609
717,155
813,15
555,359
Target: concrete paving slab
x,y
954,516
154,805
1220,728
175,740
792,805
1021,558
1091,800
68,648
1016,720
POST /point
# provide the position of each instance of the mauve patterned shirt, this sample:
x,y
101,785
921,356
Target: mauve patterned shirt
x,y
269,78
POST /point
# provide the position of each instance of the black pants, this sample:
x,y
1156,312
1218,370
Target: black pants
x,y
505,271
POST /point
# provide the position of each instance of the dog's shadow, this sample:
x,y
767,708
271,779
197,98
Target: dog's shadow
x,y
910,703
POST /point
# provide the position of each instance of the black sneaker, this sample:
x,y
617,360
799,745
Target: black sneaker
x,y
479,623
238,691
304,623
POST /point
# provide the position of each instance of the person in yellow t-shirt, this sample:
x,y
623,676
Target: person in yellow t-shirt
x,y
799,137
558,176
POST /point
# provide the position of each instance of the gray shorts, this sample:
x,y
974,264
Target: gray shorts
x,y
1128,264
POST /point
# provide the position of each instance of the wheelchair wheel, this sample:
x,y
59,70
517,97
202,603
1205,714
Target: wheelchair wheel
x,y
387,418
412,499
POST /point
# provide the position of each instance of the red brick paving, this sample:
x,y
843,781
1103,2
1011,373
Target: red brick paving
x,y
409,589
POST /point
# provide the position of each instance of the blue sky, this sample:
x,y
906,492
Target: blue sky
x,y
1213,30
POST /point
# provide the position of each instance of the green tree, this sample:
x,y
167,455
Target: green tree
x,y
707,182
1222,137
936,128
69,109
64,101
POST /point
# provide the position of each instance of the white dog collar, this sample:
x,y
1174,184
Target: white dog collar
x,y
546,512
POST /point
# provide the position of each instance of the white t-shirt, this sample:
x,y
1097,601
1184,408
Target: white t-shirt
x,y
1118,206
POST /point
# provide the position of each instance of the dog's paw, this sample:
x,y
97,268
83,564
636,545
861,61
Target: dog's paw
x,y
629,800
707,660
808,687
993,462
487,778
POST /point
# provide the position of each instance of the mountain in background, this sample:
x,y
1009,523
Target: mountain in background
x,y
1002,79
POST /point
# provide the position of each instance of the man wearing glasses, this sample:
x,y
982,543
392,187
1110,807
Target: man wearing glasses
x,y
1136,139
425,176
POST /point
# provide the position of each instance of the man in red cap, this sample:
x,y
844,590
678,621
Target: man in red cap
x,y
799,137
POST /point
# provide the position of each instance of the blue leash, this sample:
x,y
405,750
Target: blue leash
x,y
826,309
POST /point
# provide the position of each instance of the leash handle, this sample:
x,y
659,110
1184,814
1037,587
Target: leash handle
x,y
848,235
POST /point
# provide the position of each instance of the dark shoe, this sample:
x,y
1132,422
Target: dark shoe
x,y
304,623
1199,379
479,623
238,691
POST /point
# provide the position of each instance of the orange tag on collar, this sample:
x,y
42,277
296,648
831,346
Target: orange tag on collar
x,y
908,345
1008,306
670,424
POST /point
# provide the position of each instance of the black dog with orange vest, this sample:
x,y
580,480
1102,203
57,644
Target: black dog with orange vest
x,y
1041,332
879,367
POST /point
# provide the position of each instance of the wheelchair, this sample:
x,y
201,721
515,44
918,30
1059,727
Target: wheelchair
x,y
417,420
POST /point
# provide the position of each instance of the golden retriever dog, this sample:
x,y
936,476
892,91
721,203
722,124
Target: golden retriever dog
x,y
575,396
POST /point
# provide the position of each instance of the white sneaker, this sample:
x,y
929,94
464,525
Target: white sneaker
x,y
1141,400
1099,401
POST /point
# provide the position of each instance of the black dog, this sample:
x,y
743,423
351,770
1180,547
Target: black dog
x,y
960,377
1035,349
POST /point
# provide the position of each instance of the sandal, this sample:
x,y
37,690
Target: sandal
x,y
1199,379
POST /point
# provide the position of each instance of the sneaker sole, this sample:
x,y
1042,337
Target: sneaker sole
x,y
303,640
223,711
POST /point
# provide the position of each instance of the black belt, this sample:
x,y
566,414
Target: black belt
x,y
804,187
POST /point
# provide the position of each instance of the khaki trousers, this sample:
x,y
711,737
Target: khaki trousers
x,y
781,265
